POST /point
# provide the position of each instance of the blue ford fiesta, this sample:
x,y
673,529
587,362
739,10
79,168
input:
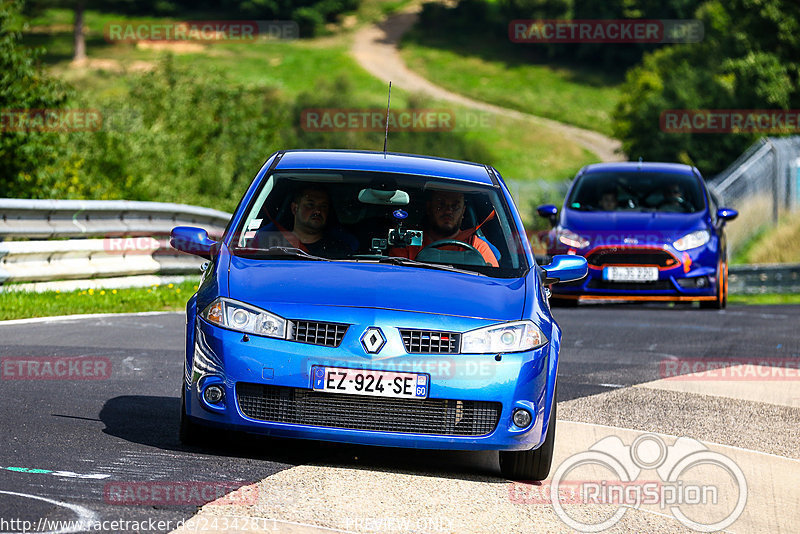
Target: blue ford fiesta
x,y
379,299
649,231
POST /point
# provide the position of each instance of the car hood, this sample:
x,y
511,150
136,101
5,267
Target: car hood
x,y
364,285
668,226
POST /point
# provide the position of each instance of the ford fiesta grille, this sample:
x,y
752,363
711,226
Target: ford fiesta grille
x,y
430,342
316,333
631,256
356,412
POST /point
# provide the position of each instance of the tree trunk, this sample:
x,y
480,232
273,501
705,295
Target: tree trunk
x,y
80,39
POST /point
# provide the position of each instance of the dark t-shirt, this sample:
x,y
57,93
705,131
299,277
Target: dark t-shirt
x,y
326,247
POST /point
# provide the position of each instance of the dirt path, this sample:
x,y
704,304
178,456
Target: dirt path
x,y
375,49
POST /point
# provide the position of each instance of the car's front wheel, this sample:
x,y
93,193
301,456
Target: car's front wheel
x,y
721,299
535,463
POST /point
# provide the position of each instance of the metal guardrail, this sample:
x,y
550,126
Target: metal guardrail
x,y
52,241
754,279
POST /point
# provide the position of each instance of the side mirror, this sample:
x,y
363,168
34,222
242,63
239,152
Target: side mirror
x,y
565,268
549,212
727,214
192,240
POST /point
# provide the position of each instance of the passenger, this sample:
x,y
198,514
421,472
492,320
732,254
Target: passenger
x,y
311,208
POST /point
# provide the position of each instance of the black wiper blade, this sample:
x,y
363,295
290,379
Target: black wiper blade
x,y
280,252
399,260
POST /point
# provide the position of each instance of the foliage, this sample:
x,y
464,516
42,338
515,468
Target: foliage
x,y
23,86
749,59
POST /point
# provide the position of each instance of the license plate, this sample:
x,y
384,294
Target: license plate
x,y
630,274
373,383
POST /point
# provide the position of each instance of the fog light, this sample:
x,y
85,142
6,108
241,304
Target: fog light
x,y
213,394
522,418
701,282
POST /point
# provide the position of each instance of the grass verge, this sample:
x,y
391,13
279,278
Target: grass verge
x,y
765,299
22,305
484,70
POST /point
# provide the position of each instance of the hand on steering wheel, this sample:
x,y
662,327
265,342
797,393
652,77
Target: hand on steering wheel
x,y
473,257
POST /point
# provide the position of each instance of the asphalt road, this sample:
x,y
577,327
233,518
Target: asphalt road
x,y
68,443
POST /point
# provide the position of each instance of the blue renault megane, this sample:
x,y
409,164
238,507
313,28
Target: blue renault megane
x,y
650,231
378,299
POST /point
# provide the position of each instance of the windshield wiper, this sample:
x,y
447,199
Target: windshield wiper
x,y
399,260
281,252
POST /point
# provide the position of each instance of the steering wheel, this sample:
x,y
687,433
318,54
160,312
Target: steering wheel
x,y
472,257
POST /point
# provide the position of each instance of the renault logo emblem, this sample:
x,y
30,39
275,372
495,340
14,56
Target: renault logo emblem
x,y
373,340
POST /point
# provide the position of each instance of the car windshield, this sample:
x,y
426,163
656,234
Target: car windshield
x,y
637,191
399,219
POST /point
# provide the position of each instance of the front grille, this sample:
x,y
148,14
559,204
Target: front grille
x,y
357,412
658,285
316,333
631,256
430,342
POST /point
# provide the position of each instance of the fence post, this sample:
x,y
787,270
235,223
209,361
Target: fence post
x,y
776,182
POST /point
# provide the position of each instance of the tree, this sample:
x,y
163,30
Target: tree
x,y
23,86
749,59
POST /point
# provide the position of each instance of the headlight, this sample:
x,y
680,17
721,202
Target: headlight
x,y
244,318
693,240
571,239
509,337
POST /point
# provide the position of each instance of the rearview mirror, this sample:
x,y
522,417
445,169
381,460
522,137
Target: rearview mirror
x,y
393,197
565,268
192,240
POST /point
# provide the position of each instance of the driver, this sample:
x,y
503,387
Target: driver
x,y
444,212
673,198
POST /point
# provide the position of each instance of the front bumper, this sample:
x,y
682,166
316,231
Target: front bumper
x,y
691,276
461,387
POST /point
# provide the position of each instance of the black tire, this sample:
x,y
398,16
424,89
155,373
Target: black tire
x,y
190,433
721,299
556,302
535,463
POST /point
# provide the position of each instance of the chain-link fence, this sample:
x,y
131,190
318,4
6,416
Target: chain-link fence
x,y
761,184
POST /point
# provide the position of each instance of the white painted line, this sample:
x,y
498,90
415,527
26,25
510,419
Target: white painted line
x,y
80,317
84,522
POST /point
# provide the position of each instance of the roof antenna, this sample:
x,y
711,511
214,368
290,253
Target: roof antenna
x,y
386,134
